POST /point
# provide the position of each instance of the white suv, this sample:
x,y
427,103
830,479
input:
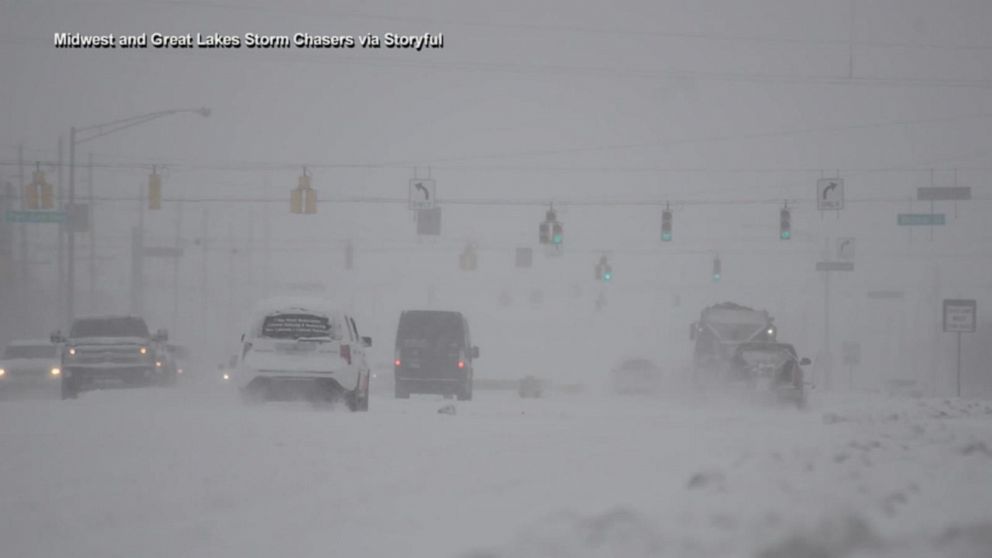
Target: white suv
x,y
303,349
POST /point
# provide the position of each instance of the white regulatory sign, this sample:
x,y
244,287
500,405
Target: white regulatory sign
x,y
830,194
422,193
845,249
960,315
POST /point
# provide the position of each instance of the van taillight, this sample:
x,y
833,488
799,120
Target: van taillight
x,y
346,353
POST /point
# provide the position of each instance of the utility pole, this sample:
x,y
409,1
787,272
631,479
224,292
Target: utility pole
x,y
851,39
22,269
92,234
175,267
137,259
204,329
828,363
6,239
70,302
60,254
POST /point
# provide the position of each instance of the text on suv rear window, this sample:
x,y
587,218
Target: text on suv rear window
x,y
296,326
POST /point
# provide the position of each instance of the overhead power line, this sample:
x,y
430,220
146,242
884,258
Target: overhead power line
x,y
439,163
794,202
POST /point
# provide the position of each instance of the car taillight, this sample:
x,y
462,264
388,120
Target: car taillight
x,y
397,363
346,353
461,364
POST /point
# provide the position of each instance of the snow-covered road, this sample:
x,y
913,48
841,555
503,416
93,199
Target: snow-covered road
x,y
195,473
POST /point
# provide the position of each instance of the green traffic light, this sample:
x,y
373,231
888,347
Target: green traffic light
x,y
716,277
785,235
607,276
666,236
556,239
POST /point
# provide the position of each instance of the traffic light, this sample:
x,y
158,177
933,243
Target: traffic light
x,y
544,232
310,201
29,199
785,224
603,270
47,195
716,269
303,199
40,194
154,190
551,231
666,225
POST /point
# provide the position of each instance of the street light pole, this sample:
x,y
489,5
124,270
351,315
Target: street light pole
x,y
98,130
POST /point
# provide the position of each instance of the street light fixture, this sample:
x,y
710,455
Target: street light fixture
x,y
84,134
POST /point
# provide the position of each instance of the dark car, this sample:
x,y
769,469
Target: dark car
x,y
434,354
771,367
110,350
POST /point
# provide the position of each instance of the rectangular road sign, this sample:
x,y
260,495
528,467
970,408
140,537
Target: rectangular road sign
x,y
921,219
429,221
943,193
845,248
162,252
14,216
835,266
422,193
960,315
830,194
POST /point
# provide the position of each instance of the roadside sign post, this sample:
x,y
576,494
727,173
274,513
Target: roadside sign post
x,y
852,357
960,316
826,267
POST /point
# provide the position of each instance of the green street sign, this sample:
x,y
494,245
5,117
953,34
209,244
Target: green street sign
x,y
921,219
13,216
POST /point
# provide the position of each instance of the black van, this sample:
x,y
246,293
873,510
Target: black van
x,y
434,354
